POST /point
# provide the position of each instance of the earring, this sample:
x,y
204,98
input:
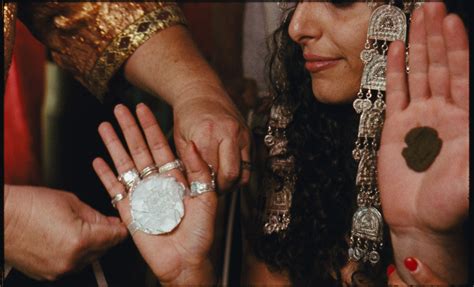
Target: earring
x,y
387,23
282,165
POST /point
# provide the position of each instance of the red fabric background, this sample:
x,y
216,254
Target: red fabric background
x,y
23,99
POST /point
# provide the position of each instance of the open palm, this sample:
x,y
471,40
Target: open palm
x,y
174,256
436,95
425,209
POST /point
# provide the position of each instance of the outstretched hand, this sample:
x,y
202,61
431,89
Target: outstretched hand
x,y
180,256
425,201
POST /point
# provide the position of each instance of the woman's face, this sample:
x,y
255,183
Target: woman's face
x,y
332,37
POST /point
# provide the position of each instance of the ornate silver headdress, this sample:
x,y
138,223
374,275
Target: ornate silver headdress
x,y
387,23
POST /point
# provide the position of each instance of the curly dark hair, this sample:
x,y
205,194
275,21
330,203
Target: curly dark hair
x,y
321,137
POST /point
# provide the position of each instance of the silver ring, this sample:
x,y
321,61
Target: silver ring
x,y
133,227
118,197
177,163
129,178
151,169
246,165
198,188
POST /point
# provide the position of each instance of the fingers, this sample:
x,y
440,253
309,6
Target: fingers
x,y
418,58
397,90
229,164
160,151
156,140
438,72
113,187
457,46
120,157
134,138
422,273
104,236
393,277
198,170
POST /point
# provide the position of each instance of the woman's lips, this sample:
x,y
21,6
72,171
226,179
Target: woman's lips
x,y
317,66
315,63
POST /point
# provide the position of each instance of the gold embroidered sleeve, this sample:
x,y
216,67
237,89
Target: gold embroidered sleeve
x,y
93,40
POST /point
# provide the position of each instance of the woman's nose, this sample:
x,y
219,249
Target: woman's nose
x,y
304,24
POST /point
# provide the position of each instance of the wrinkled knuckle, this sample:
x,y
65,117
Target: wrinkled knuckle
x,y
149,124
123,162
206,127
157,146
130,127
139,150
231,175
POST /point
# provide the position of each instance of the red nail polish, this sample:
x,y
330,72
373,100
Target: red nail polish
x,y
390,269
411,264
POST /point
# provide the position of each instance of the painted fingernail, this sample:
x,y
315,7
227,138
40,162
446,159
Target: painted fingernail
x,y
411,264
390,269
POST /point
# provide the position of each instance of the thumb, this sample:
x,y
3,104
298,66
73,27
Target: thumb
x,y
422,273
103,232
103,236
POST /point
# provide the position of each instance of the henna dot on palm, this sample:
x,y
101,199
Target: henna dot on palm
x,y
423,147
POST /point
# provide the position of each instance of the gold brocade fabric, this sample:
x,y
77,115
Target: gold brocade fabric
x,y
9,17
92,40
